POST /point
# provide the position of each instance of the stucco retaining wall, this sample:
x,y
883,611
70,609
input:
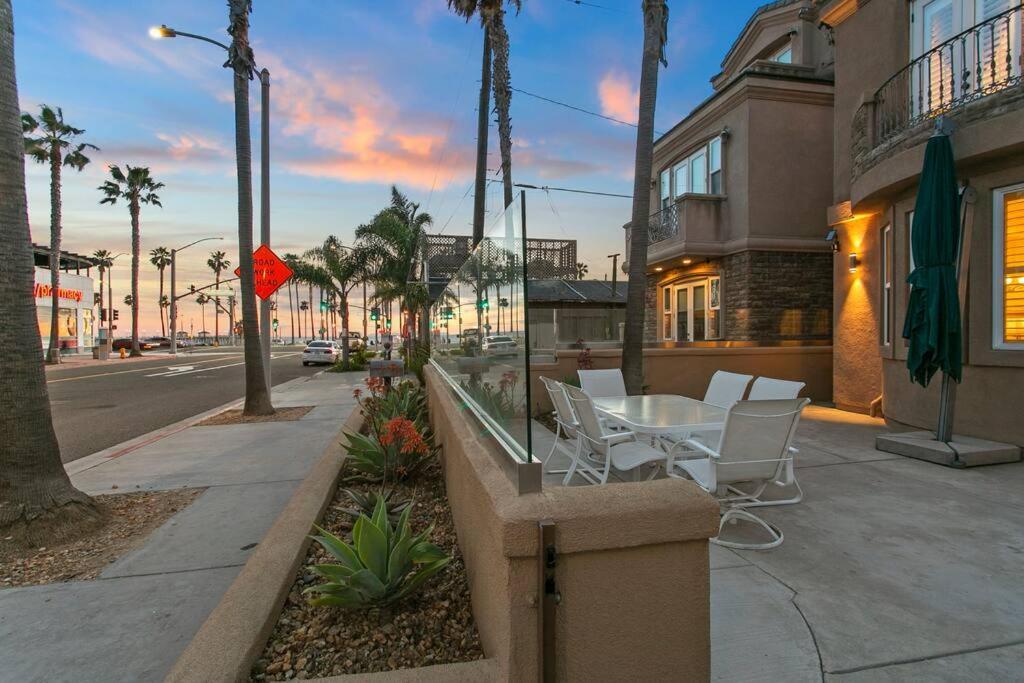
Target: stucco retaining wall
x,y
632,562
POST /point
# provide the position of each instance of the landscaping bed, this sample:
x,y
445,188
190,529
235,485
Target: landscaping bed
x,y
432,624
131,518
235,416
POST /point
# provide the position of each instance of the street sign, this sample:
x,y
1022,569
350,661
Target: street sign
x,y
269,272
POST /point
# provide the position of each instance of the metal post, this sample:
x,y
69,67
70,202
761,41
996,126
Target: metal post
x,y
174,306
265,211
547,563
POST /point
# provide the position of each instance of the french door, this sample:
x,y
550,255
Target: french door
x,y
689,315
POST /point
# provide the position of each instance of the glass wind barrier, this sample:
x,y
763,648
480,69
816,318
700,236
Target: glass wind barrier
x,y
478,332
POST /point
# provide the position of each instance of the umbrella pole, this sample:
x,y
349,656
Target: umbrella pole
x,y
947,398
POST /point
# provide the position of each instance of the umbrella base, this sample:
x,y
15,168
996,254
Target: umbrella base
x,y
962,451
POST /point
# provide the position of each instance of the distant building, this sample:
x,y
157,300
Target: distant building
x,y
76,319
561,312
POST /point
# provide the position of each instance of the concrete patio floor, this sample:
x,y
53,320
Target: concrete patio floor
x,y
892,569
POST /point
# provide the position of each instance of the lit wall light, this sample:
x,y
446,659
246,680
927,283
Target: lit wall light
x,y
854,262
687,261
658,269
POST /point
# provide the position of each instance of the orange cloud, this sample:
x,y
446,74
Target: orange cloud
x,y
619,98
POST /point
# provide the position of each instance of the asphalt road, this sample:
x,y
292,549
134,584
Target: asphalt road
x,y
98,406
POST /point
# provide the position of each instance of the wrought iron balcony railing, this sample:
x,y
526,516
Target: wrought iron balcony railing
x,y
664,224
984,59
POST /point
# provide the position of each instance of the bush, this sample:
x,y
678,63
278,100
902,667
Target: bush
x,y
383,565
496,401
403,399
357,360
396,452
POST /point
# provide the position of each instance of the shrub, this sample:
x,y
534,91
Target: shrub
x,y
396,452
366,503
403,399
357,360
384,564
496,401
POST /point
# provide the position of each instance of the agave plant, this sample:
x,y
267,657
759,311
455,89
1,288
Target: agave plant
x,y
398,451
366,503
384,564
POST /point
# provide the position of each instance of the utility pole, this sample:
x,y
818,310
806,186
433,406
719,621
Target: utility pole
x,y
615,268
265,212
483,108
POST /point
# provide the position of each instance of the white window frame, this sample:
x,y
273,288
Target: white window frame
x,y
670,295
684,167
784,55
885,254
998,266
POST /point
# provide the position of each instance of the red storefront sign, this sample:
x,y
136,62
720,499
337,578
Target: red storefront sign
x,y
269,272
46,291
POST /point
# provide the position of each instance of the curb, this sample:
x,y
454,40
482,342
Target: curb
x,y
234,634
87,462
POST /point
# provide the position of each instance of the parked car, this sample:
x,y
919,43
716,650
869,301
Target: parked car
x,y
126,343
499,345
321,352
162,342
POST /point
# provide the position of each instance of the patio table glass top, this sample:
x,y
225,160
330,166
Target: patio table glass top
x,y
661,413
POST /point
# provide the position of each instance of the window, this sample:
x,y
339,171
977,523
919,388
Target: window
x,y
910,242
692,311
666,189
885,253
783,56
1008,268
699,173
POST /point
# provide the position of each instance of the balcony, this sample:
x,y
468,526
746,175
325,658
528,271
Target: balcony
x,y
691,224
969,77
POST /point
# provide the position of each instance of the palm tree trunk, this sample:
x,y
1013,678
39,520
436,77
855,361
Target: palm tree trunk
x,y
632,345
480,187
101,297
216,309
344,328
502,104
53,353
136,250
291,314
257,397
312,332
160,306
38,504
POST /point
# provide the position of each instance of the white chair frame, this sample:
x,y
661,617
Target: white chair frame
x,y
767,388
564,424
602,383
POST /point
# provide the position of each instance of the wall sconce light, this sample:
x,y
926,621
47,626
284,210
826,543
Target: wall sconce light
x,y
687,261
658,269
854,262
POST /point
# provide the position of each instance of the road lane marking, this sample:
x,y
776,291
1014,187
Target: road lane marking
x,y
172,370
124,372
191,370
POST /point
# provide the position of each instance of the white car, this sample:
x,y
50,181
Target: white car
x,y
321,352
499,345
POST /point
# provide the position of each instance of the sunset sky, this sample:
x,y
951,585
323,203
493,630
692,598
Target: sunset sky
x,y
365,93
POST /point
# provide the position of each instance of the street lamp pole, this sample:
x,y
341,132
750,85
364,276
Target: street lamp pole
x,y
110,302
174,296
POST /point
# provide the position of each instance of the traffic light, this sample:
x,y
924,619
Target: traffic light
x,y
191,289
103,315
448,313
387,323
116,314
323,306
274,324
484,304
374,313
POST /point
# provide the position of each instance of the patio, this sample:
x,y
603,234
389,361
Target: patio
x,y
891,569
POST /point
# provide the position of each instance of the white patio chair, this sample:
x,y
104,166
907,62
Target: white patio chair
x,y
754,444
724,389
602,383
565,420
599,451
766,388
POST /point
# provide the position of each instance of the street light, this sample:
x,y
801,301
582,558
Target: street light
x,y
164,31
110,300
174,297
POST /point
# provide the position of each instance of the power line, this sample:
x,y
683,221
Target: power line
x,y
546,188
591,4
578,109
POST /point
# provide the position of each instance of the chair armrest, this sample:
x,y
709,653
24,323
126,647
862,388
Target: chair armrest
x,y
698,446
619,436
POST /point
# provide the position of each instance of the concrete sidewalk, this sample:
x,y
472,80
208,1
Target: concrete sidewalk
x,y
133,622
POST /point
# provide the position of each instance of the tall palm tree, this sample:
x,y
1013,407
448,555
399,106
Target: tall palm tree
x,y
303,306
392,242
161,258
202,300
103,259
218,263
242,62
136,187
49,140
581,270
290,259
38,504
492,18
336,270
655,37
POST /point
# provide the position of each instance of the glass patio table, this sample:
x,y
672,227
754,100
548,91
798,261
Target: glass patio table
x,y
660,414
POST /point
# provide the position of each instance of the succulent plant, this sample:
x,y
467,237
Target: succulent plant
x,y
366,502
384,563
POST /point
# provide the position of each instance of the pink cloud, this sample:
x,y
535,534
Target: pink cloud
x,y
619,98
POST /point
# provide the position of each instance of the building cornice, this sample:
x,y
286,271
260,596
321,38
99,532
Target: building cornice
x,y
837,11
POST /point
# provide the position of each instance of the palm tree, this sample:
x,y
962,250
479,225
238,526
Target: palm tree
x,y
218,263
492,18
392,242
38,504
202,300
336,270
49,140
242,62
655,37
303,306
128,299
136,187
581,270
161,258
103,259
291,259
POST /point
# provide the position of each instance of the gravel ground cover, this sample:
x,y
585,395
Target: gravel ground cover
x,y
131,518
433,626
234,417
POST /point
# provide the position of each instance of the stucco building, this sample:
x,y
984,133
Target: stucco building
x,y
899,66
737,252
77,325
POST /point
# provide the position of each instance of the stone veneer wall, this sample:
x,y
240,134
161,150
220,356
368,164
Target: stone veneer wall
x,y
768,296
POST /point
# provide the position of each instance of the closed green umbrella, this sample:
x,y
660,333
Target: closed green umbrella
x,y
933,312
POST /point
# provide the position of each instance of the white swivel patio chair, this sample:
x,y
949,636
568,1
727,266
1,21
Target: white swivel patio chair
x,y
602,383
726,388
766,388
565,420
754,444
599,451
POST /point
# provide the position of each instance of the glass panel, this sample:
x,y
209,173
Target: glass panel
x,y
715,148
699,173
681,185
682,315
938,28
666,188
996,40
489,372
784,57
1013,268
698,312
